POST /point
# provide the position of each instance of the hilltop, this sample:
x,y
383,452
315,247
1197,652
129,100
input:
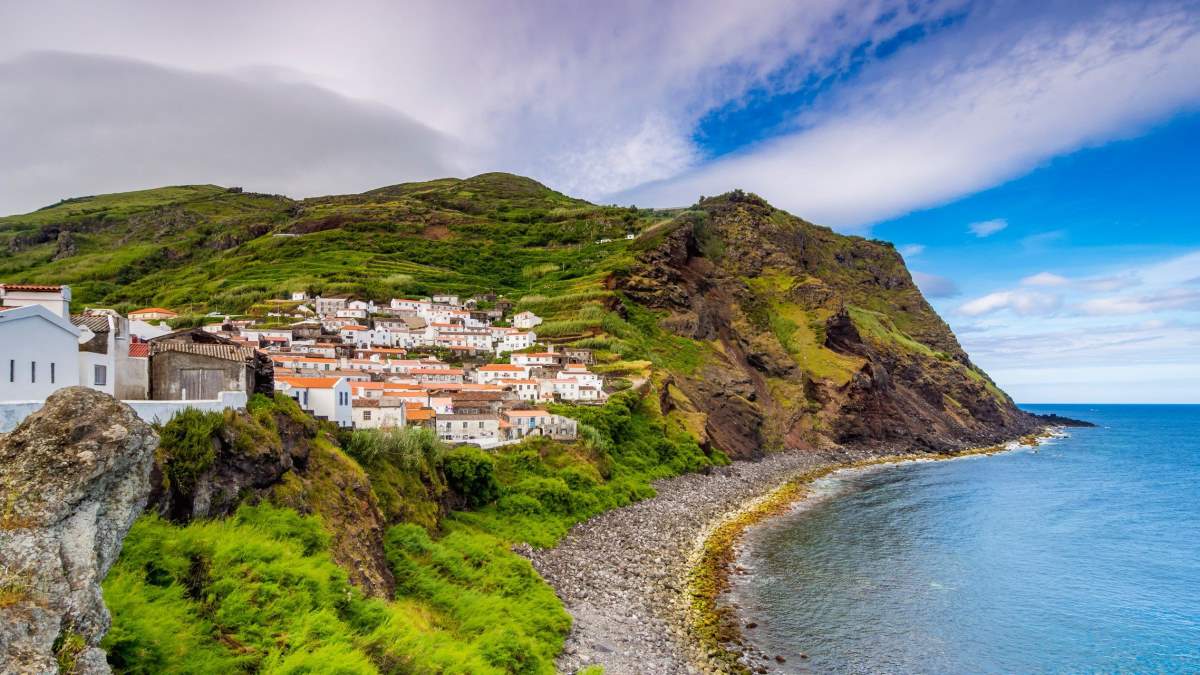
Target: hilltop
x,y
203,247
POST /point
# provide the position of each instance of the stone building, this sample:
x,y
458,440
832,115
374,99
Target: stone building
x,y
194,365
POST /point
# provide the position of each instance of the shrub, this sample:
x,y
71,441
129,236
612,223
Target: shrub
x,y
471,474
186,445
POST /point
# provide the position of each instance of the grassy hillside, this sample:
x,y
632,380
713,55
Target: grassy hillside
x,y
202,248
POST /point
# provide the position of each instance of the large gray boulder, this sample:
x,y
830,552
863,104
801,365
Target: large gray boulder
x,y
73,478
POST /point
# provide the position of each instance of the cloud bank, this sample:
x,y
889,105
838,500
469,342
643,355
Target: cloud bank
x,y
964,112
601,100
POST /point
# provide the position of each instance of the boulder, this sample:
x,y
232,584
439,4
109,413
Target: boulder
x,y
73,478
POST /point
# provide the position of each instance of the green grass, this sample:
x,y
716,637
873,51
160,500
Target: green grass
x,y
258,592
201,248
799,331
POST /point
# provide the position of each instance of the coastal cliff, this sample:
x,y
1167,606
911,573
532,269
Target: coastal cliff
x,y
820,339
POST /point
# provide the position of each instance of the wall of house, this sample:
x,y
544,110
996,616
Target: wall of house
x,y
154,412
87,371
159,412
324,403
166,367
34,340
133,379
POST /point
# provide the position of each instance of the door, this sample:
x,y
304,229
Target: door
x,y
199,383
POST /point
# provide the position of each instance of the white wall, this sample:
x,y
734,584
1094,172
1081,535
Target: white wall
x,y
31,335
87,371
160,412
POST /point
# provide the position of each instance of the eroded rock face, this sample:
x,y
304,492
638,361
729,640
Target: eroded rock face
x,y
821,340
73,478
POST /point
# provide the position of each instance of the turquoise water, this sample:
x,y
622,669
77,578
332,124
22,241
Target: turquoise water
x,y
1083,556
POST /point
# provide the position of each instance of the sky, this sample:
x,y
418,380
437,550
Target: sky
x,y
1035,162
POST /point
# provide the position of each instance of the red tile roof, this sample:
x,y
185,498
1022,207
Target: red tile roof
x,y
36,288
309,382
139,350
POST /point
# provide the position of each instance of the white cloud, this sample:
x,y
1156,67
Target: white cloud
x,y
590,98
115,124
1045,279
912,250
987,228
1023,302
965,111
935,286
1170,299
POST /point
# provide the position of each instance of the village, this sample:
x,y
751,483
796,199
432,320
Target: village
x,y
471,369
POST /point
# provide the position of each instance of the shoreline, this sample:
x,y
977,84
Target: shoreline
x,y
628,577
718,644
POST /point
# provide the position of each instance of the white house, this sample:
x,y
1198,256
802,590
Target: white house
x,y
480,429
40,353
330,306
104,362
534,359
376,413
57,299
498,372
526,320
540,422
512,339
324,397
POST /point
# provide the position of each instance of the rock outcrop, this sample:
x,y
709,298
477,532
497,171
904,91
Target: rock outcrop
x,y
280,454
817,339
73,478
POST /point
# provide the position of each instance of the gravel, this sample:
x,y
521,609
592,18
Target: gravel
x,y
622,574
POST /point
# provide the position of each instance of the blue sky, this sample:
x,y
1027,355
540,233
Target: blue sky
x,y
1034,161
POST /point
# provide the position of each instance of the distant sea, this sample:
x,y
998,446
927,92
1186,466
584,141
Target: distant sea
x,y
1081,556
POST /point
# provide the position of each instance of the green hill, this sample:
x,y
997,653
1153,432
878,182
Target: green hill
x,y
202,248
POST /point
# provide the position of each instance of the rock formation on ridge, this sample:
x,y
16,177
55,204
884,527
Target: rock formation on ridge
x,y
73,478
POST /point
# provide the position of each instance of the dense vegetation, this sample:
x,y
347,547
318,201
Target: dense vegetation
x,y
259,591
201,248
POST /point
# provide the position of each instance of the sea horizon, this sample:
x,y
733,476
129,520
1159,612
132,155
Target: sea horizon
x,y
1072,556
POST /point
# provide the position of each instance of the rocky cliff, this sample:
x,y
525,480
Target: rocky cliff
x,y
73,478
817,339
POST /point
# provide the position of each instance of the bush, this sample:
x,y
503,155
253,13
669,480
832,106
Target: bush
x,y
186,445
471,474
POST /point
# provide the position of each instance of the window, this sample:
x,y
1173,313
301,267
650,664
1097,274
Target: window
x,y
366,414
100,376
12,370
32,371
51,372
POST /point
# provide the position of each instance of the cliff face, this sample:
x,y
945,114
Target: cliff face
x,y
73,477
817,339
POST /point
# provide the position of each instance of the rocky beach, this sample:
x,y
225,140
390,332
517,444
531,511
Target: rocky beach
x,y
622,575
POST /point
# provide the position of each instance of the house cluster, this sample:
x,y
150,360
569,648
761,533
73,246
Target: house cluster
x,y
135,358
442,321
438,362
434,362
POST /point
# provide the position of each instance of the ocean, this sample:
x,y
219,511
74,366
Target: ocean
x,y
1080,556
